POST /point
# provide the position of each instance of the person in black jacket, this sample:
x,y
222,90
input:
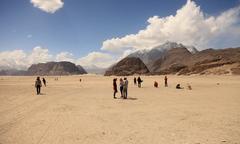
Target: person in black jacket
x,y
114,87
44,82
139,80
135,81
166,81
38,85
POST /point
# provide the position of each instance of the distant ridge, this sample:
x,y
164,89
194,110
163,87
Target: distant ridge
x,y
93,69
13,72
49,68
55,68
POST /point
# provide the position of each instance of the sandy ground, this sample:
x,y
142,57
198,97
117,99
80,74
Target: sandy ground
x,y
70,112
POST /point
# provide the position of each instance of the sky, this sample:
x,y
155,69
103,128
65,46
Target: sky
x,y
100,32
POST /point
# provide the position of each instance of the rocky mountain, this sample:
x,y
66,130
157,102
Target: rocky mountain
x,y
81,69
171,61
174,58
128,66
211,61
149,56
55,68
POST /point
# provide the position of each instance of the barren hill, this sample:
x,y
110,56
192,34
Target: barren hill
x,y
128,66
55,68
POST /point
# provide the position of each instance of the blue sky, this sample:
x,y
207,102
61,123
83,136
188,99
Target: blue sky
x,y
81,26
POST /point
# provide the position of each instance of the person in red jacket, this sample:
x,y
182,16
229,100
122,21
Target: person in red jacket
x,y
155,84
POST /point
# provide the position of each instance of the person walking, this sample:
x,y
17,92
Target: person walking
x,y
114,88
139,80
166,81
38,85
125,88
121,83
44,82
135,81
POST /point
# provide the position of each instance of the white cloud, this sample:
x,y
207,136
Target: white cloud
x,y
189,26
98,59
65,56
49,6
39,55
13,59
18,59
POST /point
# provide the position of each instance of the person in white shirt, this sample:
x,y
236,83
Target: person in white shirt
x,y
125,88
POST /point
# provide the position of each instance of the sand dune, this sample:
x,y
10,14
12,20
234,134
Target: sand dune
x,y
70,112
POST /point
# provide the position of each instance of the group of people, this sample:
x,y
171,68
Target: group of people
x,y
38,84
123,86
178,86
138,81
189,87
155,84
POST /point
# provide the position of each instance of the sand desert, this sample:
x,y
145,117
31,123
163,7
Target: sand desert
x,y
72,112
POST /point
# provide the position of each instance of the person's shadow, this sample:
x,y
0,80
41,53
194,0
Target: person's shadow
x,y
131,98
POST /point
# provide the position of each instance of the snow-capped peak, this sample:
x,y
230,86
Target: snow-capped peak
x,y
169,45
152,54
191,49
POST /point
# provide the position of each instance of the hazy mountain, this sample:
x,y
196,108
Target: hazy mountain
x,y
55,68
95,70
13,72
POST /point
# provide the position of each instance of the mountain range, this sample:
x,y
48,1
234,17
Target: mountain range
x,y
149,56
49,68
174,58
168,58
